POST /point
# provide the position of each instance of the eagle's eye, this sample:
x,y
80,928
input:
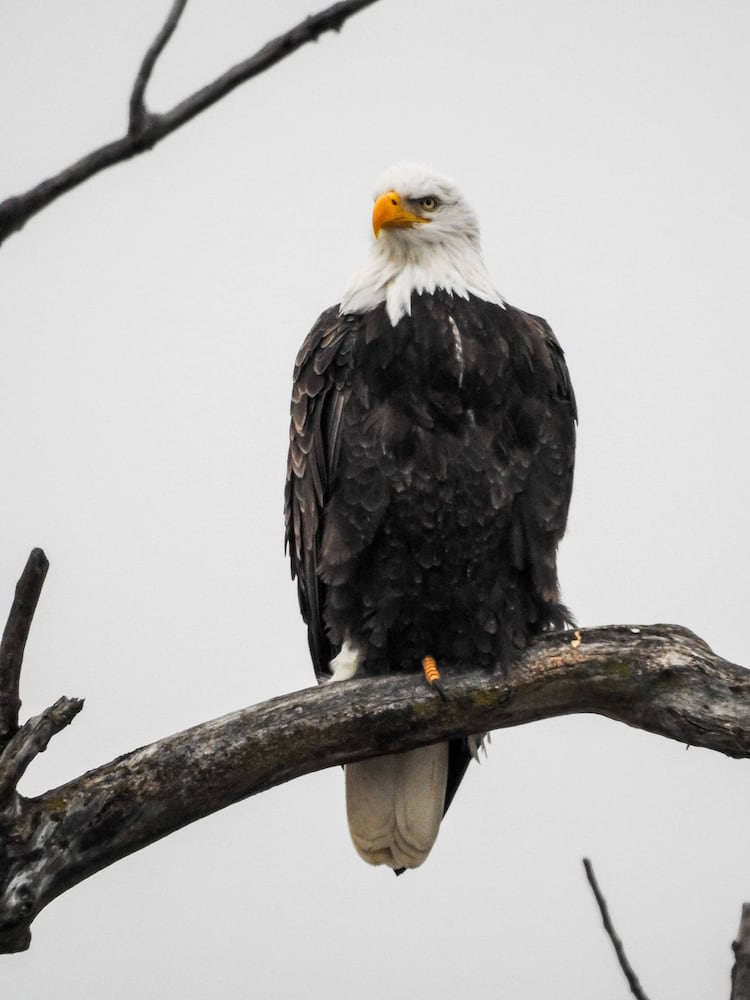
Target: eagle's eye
x,y
429,204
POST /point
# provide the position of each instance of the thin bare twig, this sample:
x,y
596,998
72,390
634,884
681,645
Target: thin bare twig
x,y
32,739
146,129
635,987
137,106
13,642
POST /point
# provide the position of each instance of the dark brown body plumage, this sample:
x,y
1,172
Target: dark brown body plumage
x,y
430,471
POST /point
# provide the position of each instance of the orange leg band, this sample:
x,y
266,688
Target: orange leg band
x,y
432,675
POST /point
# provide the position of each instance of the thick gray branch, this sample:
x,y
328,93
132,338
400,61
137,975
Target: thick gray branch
x,y
146,129
661,678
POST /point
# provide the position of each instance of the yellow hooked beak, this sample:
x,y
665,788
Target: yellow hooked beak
x,y
389,213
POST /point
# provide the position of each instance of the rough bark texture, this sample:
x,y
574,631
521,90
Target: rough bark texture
x,y
660,678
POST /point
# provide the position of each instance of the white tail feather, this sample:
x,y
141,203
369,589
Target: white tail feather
x,y
394,805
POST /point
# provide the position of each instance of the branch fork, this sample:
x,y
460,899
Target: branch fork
x,y
146,128
29,741
19,745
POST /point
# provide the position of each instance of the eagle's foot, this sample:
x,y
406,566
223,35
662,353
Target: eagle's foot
x,y
432,676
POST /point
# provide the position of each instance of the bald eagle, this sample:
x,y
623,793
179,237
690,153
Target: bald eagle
x,y
430,469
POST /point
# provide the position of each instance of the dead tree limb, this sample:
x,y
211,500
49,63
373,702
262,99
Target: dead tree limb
x,y
14,638
146,128
741,948
660,678
30,740
138,113
635,987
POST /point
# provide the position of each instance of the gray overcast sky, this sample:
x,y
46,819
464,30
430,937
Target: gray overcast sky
x,y
149,323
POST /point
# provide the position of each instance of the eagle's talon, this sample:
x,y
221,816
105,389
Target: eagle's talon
x,y
437,685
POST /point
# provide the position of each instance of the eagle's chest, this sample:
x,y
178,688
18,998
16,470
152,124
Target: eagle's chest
x,y
422,422
416,380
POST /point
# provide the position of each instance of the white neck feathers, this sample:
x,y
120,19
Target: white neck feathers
x,y
400,266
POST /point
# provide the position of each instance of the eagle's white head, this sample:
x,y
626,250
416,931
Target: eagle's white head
x,y
426,237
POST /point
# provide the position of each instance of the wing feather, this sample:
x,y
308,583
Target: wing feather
x,y
319,396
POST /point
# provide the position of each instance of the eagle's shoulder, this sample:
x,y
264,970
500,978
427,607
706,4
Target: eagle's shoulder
x,y
540,329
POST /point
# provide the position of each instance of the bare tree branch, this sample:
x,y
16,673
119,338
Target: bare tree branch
x,y
32,739
137,106
660,678
146,129
13,642
741,948
635,987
